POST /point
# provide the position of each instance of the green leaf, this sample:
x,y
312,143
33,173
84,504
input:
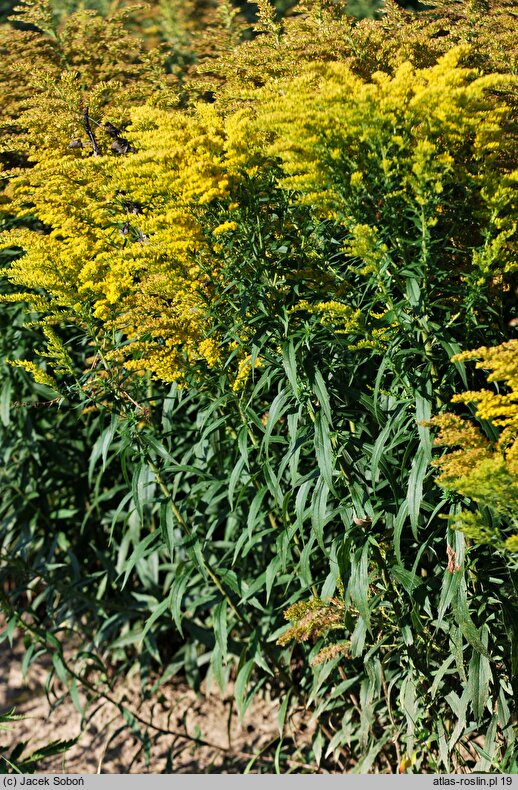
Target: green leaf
x,y
399,523
368,757
451,348
167,527
221,626
143,549
320,390
273,483
319,511
415,485
408,698
278,407
324,450
256,513
358,637
488,753
457,648
74,696
359,582
306,560
61,670
318,743
459,707
465,622
289,360
423,412
443,746
440,674
272,571
158,611
241,686
217,665
449,589
5,402
408,580
479,677
301,498
413,291
143,486
379,447
235,478
181,580
102,446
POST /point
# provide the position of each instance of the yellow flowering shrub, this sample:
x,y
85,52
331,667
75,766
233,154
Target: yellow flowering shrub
x,y
344,142
244,371
322,31
87,51
485,470
125,235
340,317
305,251
141,231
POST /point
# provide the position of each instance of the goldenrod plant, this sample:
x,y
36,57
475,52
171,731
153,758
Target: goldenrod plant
x,y
147,228
241,289
84,50
324,32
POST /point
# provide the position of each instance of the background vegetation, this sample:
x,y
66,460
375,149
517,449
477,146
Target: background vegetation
x,y
246,270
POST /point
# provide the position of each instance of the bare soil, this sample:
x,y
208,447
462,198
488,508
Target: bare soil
x,y
204,733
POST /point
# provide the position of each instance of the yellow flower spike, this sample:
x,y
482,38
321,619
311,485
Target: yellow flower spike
x,y
244,371
225,227
485,471
39,375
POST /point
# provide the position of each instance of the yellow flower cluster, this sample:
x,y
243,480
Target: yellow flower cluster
x,y
80,59
245,368
321,33
225,227
500,408
485,471
413,123
341,318
140,234
38,374
129,232
366,246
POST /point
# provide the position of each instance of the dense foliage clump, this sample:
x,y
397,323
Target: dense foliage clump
x,y
248,281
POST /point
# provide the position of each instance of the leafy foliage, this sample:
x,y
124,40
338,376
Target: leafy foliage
x,y
17,761
250,308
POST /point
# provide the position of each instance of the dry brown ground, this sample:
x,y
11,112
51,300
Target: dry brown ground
x,y
106,748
